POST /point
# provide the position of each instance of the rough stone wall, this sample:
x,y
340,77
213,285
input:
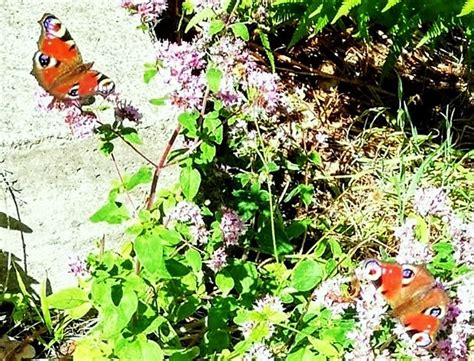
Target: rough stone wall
x,y
63,180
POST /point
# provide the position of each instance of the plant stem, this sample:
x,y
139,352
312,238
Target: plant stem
x,y
160,165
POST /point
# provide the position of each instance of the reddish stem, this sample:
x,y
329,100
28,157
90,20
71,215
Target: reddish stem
x,y
160,166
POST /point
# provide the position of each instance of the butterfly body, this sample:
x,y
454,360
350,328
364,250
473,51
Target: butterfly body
x,y
58,65
414,295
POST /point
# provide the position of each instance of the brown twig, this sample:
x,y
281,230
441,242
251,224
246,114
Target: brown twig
x,y
160,165
13,353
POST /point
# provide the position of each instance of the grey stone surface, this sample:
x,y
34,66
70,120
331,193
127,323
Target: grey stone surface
x,y
63,180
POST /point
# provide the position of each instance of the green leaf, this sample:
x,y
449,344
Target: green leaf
x,y
13,224
422,231
297,228
240,30
208,152
118,311
213,127
194,259
207,13
268,50
149,250
45,306
106,148
138,349
225,283
311,15
68,298
187,308
306,193
131,135
79,312
190,180
112,213
303,354
149,73
467,8
307,275
315,157
323,347
346,6
214,77
390,4
169,237
158,101
217,25
188,121
142,176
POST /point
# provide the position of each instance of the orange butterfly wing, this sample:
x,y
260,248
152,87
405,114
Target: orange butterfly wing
x,y
413,294
58,66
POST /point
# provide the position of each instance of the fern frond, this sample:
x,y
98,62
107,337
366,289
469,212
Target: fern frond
x,y
402,35
347,5
289,10
467,8
305,24
435,31
390,4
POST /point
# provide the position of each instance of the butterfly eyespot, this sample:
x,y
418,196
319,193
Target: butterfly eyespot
x,y
408,274
435,311
372,270
422,339
105,85
73,93
44,61
53,26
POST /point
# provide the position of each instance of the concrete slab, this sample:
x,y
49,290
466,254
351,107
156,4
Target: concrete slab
x,y
63,180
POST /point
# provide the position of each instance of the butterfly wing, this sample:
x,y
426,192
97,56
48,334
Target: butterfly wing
x,y
422,316
58,66
414,296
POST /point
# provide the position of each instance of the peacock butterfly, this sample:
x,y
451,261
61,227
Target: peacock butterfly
x,y
415,297
58,65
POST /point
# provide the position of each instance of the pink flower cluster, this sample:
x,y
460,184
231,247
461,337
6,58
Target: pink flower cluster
x,y
259,352
329,295
243,83
189,213
182,73
149,10
82,122
218,260
199,5
370,309
435,202
78,267
411,250
462,234
232,228
460,320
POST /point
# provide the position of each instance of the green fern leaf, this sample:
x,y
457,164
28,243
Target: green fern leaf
x,y
435,31
305,24
288,10
268,50
346,6
390,4
467,8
